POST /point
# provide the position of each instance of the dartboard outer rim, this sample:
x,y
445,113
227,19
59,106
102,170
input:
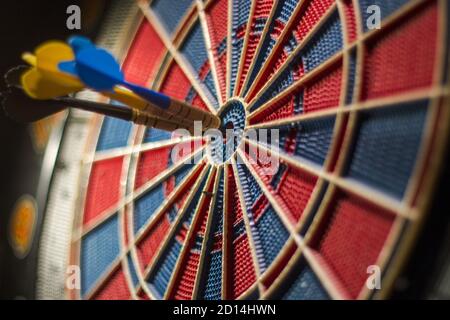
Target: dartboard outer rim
x,y
129,24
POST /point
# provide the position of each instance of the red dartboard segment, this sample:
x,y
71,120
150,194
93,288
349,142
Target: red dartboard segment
x,y
198,102
184,282
324,92
115,288
104,187
240,270
291,187
144,56
217,20
261,13
350,20
300,25
351,238
177,85
151,163
392,60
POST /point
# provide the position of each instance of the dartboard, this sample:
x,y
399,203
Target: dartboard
x,y
348,103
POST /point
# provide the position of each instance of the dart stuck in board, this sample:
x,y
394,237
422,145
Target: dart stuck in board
x,y
58,69
22,108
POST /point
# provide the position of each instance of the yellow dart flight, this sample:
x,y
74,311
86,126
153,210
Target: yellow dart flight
x,y
44,80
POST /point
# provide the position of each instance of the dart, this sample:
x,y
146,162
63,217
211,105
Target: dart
x,y
98,69
59,73
22,108
38,86
44,80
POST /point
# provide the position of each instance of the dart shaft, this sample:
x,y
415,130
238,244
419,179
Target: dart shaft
x,y
102,108
177,111
145,119
127,114
175,107
130,99
183,110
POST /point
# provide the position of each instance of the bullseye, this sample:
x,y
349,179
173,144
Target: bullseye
x,y
233,122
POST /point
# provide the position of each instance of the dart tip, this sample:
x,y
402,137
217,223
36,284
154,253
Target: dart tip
x,y
29,58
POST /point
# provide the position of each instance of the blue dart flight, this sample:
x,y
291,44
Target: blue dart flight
x,y
98,69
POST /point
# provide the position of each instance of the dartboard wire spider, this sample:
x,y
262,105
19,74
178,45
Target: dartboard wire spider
x,y
208,236
379,103
201,7
172,47
264,33
248,229
161,177
203,207
206,176
294,234
135,239
352,110
256,95
361,38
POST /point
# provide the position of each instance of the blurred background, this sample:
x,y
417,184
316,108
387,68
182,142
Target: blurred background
x,y
23,26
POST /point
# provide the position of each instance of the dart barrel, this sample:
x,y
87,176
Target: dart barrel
x,y
177,112
186,111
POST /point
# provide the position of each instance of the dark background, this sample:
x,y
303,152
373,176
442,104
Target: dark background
x,y
24,24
